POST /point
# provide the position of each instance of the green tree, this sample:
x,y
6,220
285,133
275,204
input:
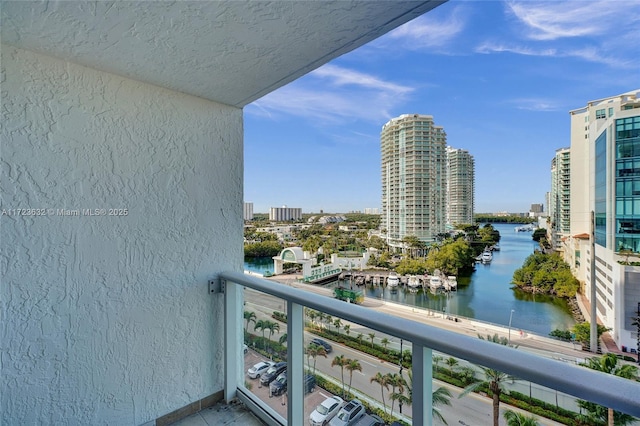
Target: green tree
x,y
439,397
347,328
262,325
384,342
452,363
436,361
609,364
496,380
352,365
372,336
582,332
249,316
337,323
381,379
397,383
263,249
341,362
518,419
314,351
360,336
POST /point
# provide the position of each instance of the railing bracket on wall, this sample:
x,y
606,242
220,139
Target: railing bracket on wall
x,y
217,285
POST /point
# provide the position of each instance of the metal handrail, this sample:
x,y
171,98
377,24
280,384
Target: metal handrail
x,y
604,389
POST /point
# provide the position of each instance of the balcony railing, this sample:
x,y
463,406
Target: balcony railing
x,y
580,382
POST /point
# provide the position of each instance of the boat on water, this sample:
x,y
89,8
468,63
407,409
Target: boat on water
x,y
524,228
486,256
451,283
393,280
435,282
413,282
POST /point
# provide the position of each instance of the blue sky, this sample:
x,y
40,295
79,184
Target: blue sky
x,y
500,77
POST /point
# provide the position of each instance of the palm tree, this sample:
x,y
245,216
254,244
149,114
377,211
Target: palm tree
x,y
347,328
371,336
452,363
273,327
496,380
609,364
337,323
519,419
329,320
441,396
384,342
396,381
261,325
282,339
314,351
360,336
382,381
436,360
249,316
352,365
341,362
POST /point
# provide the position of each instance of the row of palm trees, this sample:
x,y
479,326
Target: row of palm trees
x,y
266,326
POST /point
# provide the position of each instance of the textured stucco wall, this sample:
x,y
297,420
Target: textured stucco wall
x,y
107,319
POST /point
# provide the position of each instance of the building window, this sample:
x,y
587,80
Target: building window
x,y
601,190
610,112
600,114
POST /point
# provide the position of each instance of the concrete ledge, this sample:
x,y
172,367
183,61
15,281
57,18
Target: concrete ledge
x,y
189,409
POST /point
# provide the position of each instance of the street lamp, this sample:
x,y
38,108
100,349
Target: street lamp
x,y
510,318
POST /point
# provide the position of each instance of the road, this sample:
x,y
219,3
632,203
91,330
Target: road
x,y
470,410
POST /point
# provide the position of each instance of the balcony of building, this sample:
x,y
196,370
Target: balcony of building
x,y
430,337
123,130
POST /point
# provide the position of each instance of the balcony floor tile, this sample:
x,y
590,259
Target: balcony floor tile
x,y
221,414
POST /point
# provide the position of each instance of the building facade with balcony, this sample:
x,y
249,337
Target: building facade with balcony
x,y
605,183
560,197
283,214
122,158
413,169
460,173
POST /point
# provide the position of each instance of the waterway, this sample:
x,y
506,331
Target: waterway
x,y
487,295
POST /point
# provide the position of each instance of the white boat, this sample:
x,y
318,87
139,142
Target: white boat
x,y
393,280
451,283
486,256
435,282
413,282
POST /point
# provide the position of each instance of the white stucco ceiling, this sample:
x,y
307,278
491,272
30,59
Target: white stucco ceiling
x,y
232,52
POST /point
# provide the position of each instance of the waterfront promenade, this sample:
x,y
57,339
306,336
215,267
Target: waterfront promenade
x,y
543,345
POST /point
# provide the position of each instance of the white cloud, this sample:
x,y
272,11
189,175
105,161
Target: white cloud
x,y
491,47
429,31
333,94
537,104
554,20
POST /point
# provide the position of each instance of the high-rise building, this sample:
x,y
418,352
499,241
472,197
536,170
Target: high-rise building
x,y
460,174
605,182
413,178
284,213
560,197
248,211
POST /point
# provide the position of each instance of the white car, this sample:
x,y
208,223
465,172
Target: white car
x,y
326,411
259,368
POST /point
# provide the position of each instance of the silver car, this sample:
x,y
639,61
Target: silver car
x,y
326,411
349,414
259,368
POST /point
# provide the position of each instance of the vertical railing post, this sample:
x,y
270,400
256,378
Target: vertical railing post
x,y
295,364
422,392
233,338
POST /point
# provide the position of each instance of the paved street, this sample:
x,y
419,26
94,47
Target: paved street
x,y
470,410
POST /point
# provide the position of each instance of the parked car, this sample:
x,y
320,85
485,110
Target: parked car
x,y
309,383
327,347
349,414
369,420
279,385
258,369
326,411
246,349
273,372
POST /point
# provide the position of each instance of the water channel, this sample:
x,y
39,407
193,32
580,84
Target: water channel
x,y
487,295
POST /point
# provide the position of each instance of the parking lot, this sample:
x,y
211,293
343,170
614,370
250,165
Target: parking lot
x,y
279,403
